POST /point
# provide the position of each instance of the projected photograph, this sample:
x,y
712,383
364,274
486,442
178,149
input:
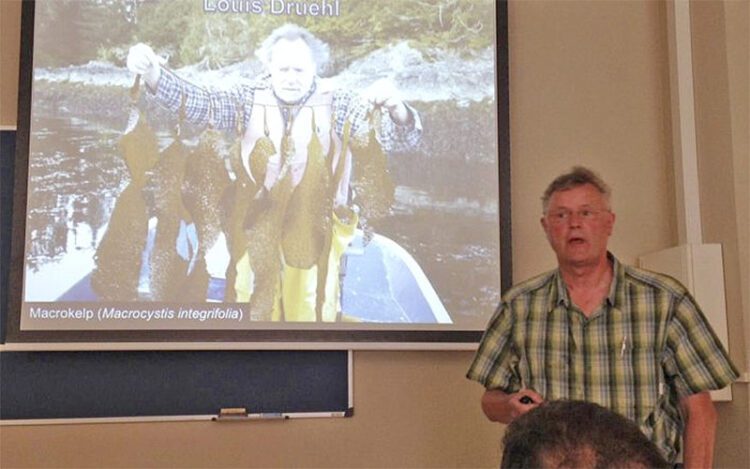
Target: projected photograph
x,y
250,164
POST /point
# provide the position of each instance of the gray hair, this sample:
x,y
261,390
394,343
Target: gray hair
x,y
292,32
577,176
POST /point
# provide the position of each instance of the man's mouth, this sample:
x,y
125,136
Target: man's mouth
x,y
575,241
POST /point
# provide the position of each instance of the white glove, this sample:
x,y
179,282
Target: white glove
x,y
143,61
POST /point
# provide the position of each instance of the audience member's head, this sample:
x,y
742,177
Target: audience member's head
x,y
577,434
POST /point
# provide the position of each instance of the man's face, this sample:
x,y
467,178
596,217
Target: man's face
x,y
292,69
578,224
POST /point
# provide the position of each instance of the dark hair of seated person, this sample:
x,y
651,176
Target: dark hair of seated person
x,y
577,434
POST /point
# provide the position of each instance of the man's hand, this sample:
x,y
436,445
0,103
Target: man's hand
x,y
504,408
383,93
143,60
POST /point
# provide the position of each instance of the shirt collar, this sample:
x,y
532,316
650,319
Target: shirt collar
x,y
617,280
559,293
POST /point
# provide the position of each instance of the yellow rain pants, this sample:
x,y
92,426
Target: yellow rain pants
x,y
296,287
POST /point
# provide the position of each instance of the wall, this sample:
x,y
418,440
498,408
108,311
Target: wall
x,y
589,85
720,63
10,17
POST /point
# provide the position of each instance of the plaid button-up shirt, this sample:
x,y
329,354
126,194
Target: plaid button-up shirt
x,y
647,347
219,109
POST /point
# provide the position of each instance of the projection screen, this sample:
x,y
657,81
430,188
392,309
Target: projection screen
x,y
327,171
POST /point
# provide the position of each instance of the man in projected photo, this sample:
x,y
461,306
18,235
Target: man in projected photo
x,y
298,135
597,330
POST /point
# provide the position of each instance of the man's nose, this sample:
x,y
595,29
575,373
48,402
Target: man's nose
x,y
575,219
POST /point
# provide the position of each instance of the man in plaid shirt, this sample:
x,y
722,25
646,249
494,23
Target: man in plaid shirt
x,y
597,330
290,104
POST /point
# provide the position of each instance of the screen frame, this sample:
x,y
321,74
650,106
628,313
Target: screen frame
x,y
256,338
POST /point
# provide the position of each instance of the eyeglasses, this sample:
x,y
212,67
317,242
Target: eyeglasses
x,y
559,217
